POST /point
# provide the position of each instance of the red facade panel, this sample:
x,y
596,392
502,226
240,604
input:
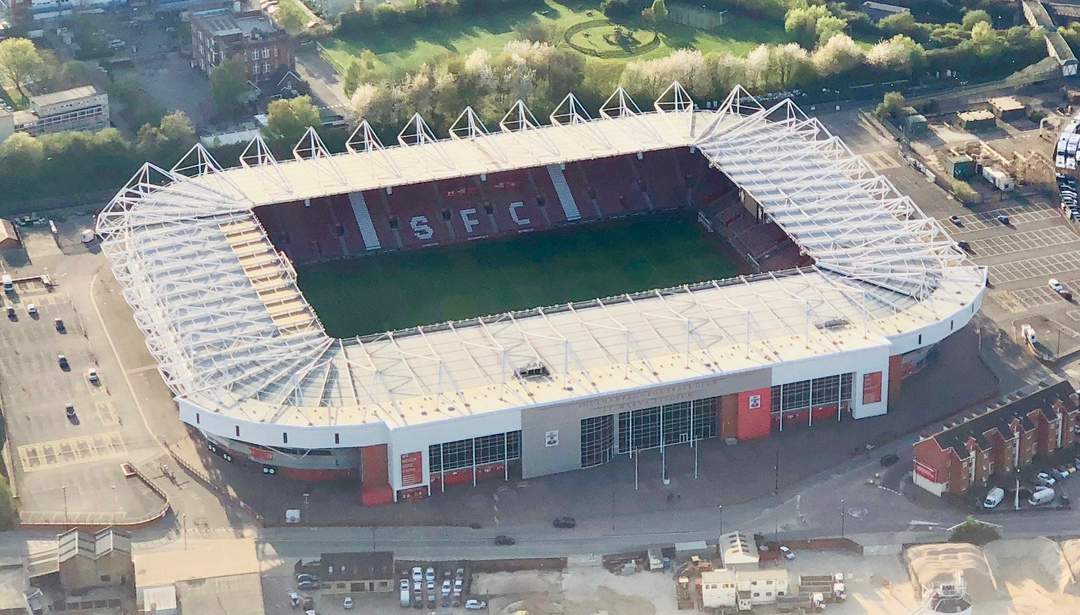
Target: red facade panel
x,y
753,420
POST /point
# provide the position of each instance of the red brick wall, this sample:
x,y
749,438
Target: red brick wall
x,y
896,375
753,422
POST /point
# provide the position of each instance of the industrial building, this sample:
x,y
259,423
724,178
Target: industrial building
x,y
866,285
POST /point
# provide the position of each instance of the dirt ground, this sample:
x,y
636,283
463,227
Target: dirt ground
x,y
1033,578
584,588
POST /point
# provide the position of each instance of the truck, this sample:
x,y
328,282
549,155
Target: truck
x,y
803,603
831,586
683,598
1000,179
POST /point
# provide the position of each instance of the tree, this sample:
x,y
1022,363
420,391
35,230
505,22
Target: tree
x,y
167,141
778,67
899,54
975,17
986,41
890,105
899,23
975,532
288,120
801,21
228,86
19,62
658,12
21,156
686,66
839,55
828,27
361,70
291,17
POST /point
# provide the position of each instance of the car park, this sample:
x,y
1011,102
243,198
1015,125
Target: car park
x,y
565,522
473,604
993,498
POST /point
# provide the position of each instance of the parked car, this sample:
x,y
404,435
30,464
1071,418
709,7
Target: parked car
x,y
965,246
31,309
92,376
69,411
347,603
888,460
1059,288
1044,479
473,604
429,575
59,324
460,572
1002,218
304,576
307,585
565,522
993,498
787,553
447,586
1042,495
11,313
956,220
308,603
294,599
62,361
504,541
417,574
459,585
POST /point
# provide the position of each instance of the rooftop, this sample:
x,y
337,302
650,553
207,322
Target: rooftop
x,y
1000,416
1007,103
224,22
887,8
882,268
351,566
975,115
239,594
52,98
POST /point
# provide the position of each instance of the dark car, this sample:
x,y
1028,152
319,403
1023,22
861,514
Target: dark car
x,y
888,460
965,246
503,541
564,523
1002,218
307,585
62,361
308,603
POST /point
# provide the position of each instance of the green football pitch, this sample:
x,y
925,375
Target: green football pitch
x,y
402,289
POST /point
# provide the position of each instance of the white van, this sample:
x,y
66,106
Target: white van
x,y
404,590
9,284
994,497
1042,495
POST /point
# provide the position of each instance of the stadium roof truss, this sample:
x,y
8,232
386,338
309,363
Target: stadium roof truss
x,y
222,314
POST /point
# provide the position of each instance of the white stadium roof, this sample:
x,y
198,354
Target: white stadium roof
x,y
232,333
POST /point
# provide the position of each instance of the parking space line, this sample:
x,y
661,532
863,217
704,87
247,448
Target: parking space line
x,y
1019,214
1036,267
71,451
1019,242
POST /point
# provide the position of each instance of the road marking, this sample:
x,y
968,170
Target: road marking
x,y
1037,267
1020,242
139,370
71,451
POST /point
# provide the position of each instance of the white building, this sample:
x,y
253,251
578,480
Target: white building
x,y
726,588
81,108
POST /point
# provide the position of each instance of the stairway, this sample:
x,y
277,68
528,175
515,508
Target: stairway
x,y
566,198
363,220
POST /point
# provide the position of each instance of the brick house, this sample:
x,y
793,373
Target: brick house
x,y
249,37
995,441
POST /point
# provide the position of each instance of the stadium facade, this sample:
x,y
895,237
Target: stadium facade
x,y
856,286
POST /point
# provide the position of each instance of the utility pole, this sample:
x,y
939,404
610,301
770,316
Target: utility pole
x,y
843,516
776,474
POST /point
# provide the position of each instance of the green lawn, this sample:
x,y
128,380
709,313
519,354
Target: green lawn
x,y
393,291
405,47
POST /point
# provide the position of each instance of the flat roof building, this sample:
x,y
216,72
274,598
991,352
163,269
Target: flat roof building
x,y
1007,108
250,38
81,108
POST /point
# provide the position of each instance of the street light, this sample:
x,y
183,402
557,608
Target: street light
x,y
843,516
720,507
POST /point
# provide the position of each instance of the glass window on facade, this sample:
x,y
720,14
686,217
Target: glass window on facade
x,y
806,394
672,422
597,440
459,454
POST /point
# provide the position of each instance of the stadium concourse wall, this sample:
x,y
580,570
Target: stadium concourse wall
x,y
395,462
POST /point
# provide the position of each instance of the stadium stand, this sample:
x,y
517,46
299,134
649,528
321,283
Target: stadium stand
x,y
454,210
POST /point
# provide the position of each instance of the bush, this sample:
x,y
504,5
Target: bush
x,y
968,196
974,532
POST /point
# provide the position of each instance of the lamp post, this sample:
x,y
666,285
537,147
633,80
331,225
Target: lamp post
x,y
720,509
843,516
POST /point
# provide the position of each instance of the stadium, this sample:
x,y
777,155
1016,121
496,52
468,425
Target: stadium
x,y
847,287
